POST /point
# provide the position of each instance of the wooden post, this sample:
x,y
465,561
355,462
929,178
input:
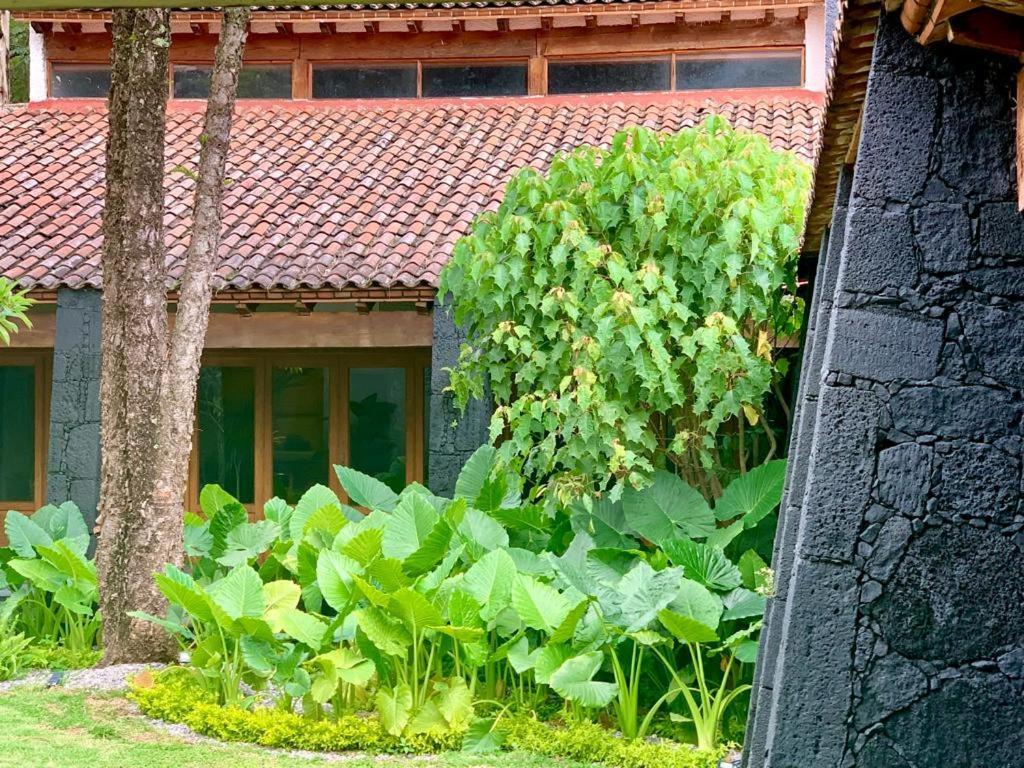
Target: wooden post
x,y
5,57
1020,140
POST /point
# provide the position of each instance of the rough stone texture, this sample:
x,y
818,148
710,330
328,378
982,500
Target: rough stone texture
x,y
896,639
73,464
453,435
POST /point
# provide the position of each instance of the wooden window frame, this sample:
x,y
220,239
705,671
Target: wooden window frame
x,y
744,53
589,58
338,363
282,63
42,362
79,65
418,63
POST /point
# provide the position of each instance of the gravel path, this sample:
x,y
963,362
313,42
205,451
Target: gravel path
x,y
98,679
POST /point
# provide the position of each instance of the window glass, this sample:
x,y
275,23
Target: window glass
x,y
300,429
79,82
376,81
376,432
609,76
474,79
254,82
17,432
747,71
426,426
227,415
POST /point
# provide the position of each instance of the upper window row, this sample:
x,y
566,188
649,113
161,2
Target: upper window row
x,y
479,78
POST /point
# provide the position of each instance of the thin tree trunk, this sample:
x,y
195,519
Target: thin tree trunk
x,y
5,57
148,379
132,540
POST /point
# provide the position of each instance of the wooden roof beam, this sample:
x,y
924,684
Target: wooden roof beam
x,y
988,30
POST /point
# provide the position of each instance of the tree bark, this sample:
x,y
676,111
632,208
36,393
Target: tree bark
x,y
148,374
5,57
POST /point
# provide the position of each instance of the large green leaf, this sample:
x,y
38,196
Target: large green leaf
x,y
364,546
483,736
23,534
169,626
316,498
334,575
743,604
63,522
408,527
754,495
474,474
548,659
667,507
281,594
224,512
428,719
247,542
198,539
387,634
574,680
604,521
415,611
71,564
687,629
540,606
240,593
752,567
481,533
635,601
395,708
41,574
455,703
300,626
489,582
706,565
181,590
693,615
366,491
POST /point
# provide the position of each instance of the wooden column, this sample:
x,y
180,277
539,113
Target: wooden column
x,y
1020,140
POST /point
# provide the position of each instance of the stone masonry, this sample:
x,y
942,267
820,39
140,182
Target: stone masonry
x,y
73,465
897,636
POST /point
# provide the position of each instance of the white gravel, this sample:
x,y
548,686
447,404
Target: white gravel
x,y
98,679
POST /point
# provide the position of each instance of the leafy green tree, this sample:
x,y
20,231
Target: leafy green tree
x,y
625,306
14,306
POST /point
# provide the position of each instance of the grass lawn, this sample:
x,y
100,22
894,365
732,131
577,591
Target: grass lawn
x,y
62,729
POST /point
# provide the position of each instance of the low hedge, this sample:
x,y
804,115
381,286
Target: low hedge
x,y
176,697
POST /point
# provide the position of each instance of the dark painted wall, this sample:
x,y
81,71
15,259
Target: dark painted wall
x,y
73,464
897,639
453,435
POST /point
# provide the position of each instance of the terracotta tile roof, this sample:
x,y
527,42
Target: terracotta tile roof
x,y
331,195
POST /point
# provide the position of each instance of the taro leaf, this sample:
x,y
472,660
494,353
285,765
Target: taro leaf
x,y
483,736
607,566
571,566
366,491
73,599
299,625
754,495
463,609
746,652
325,684
198,539
492,494
408,527
481,534
70,563
428,719
489,582
640,594
384,632
389,574
171,627
751,565
334,575
706,565
247,542
364,546
694,614
431,551
604,521
415,611
742,604
529,562
224,512
564,632
528,518
455,703
279,512
239,594
299,684
474,473
548,659
540,606
574,680
519,655
686,629
720,538
306,556
281,594
316,498
180,589
666,507
395,708
23,534
63,522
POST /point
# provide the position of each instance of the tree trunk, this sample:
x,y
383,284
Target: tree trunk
x,y
148,376
5,57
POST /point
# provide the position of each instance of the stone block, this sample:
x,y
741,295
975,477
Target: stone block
x,y
884,346
998,281
891,684
1001,230
82,456
943,234
952,412
980,481
996,335
957,596
878,253
904,477
888,548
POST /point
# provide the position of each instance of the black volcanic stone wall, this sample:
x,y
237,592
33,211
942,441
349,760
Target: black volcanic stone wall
x,y
453,435
73,463
897,636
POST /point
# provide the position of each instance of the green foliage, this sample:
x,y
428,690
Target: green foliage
x,y
14,306
53,585
623,307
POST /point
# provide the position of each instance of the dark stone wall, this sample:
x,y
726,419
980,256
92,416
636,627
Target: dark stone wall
x,y
897,636
453,435
73,463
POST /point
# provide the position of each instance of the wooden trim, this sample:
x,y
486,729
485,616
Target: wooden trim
x,y
41,363
1020,140
319,330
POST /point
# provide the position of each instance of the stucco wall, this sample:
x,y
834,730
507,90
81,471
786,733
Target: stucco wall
x,y
897,639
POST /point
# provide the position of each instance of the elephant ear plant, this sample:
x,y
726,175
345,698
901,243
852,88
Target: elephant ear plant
x,y
52,582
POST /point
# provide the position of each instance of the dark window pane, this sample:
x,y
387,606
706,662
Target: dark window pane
x,y
17,432
608,76
364,82
426,426
254,82
738,72
79,82
300,426
474,80
376,432
227,415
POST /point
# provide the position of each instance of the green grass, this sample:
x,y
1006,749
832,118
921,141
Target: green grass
x,y
60,729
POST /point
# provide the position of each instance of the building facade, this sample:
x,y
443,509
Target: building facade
x,y
365,142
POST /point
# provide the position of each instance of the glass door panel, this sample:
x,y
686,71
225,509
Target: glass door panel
x,y
300,430
17,432
376,433
227,417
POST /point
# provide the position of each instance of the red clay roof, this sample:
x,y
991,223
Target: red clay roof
x,y
331,195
